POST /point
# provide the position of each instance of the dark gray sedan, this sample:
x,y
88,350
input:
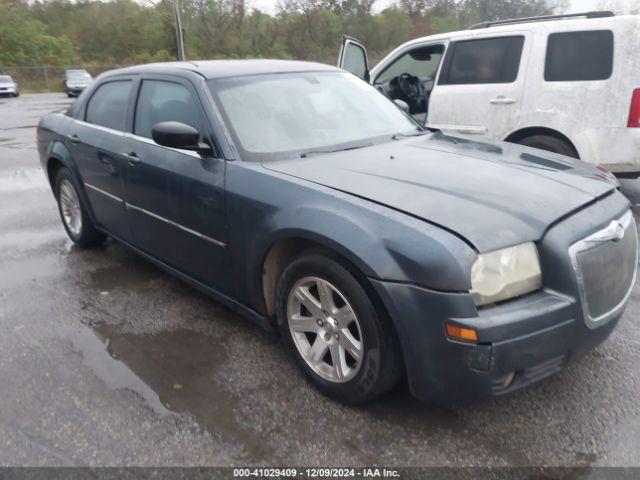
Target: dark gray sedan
x,y
308,202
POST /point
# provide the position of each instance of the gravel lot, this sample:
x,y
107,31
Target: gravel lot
x,y
106,360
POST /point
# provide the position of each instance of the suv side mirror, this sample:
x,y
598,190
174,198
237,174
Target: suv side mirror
x,y
402,104
178,135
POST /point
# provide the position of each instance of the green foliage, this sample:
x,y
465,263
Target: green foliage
x,y
25,40
66,32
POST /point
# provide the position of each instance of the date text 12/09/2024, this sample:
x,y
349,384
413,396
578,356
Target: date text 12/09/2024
x,y
365,472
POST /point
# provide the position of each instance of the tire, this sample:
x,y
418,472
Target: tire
x,y
75,218
379,366
550,144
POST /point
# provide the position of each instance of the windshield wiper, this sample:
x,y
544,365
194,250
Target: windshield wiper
x,y
319,152
397,136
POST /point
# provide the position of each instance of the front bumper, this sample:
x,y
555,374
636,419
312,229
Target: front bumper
x,y
519,342
75,90
8,90
534,336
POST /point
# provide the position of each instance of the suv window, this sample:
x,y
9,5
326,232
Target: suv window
x,y
420,62
108,105
575,56
487,60
164,101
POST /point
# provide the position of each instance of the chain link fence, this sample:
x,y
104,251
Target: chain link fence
x,y
43,78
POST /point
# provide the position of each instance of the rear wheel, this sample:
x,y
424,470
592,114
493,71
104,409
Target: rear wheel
x,y
73,213
550,144
345,346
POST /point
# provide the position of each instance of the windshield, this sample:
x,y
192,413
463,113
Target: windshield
x,y
287,115
5,78
78,76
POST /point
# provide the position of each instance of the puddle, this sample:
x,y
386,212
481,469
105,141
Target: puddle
x,y
112,371
23,180
136,272
174,372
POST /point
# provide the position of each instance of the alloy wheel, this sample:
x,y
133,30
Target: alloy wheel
x,y
325,329
70,207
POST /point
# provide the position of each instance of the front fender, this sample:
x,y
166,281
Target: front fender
x,y
265,207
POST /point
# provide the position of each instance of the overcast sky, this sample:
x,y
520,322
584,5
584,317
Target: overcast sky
x,y
270,6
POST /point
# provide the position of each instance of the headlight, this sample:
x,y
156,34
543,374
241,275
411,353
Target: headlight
x,y
505,273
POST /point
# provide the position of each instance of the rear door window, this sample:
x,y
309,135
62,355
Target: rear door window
x,y
486,60
576,56
108,105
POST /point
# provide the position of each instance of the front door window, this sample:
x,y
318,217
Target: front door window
x,y
411,76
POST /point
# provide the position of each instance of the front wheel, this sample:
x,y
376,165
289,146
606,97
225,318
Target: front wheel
x,y
73,213
346,347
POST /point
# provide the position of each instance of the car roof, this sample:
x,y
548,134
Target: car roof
x,y
212,69
566,24
622,22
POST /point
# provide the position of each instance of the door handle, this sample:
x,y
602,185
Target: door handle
x,y
132,158
502,100
73,138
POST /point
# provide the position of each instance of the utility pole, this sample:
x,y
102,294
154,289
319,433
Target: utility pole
x,y
179,38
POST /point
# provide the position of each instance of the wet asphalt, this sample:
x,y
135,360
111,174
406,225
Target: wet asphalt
x,y
106,360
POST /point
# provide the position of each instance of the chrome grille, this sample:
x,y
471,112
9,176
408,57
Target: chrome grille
x,y
605,264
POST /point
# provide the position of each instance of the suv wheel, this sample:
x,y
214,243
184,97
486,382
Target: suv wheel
x,y
74,215
345,347
550,144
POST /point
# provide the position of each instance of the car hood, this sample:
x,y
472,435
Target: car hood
x,y
7,84
493,195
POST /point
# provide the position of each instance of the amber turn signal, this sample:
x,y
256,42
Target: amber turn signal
x,y
461,333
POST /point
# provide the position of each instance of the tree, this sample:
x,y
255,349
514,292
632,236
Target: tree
x,y
504,9
131,31
27,41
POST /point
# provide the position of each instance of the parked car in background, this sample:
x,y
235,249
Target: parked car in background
x,y
308,202
8,86
75,81
566,83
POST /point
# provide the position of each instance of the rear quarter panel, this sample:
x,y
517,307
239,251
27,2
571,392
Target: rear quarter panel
x,y
51,139
52,147
592,114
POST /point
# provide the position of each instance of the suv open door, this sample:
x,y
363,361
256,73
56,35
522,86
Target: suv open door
x,y
353,58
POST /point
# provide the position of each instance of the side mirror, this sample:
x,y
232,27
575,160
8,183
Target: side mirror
x,y
402,104
178,135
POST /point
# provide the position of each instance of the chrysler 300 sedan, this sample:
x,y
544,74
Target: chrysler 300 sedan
x,y
305,200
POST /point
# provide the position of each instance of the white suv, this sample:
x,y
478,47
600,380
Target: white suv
x,y
566,83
